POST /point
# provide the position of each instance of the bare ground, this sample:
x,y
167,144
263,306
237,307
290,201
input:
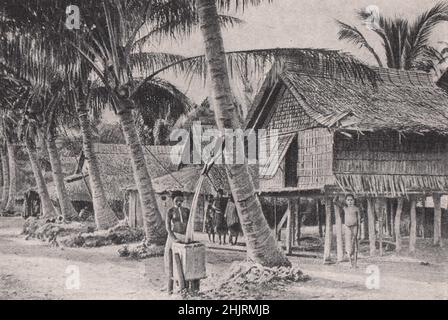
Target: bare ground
x,y
30,269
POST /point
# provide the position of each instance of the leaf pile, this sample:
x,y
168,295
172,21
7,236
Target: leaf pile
x,y
141,251
248,280
77,234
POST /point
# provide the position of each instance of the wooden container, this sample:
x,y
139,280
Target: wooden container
x,y
192,256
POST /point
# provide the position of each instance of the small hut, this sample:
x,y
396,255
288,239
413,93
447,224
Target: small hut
x,y
116,173
380,134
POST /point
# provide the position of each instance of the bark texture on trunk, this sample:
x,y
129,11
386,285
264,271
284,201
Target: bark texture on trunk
x,y
328,230
10,206
371,218
65,203
261,244
437,220
5,172
152,219
48,209
339,241
105,218
397,224
413,229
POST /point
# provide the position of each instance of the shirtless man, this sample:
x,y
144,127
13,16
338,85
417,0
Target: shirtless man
x,y
176,225
351,224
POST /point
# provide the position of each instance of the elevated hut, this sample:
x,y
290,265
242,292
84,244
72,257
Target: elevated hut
x,y
345,128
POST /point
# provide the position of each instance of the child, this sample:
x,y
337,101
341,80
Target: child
x,y
352,219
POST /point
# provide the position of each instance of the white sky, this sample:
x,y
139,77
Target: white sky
x,y
302,24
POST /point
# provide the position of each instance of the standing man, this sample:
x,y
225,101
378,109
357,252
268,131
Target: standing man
x,y
233,222
176,225
219,205
352,220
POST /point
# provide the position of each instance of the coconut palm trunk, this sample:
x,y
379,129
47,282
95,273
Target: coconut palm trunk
x,y
154,226
261,244
65,204
48,209
5,171
12,194
104,216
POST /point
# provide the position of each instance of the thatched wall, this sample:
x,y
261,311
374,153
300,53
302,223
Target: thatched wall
x,y
389,164
315,161
288,114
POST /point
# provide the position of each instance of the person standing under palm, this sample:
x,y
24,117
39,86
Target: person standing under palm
x,y
219,206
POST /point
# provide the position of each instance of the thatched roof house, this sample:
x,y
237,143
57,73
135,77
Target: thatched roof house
x,y
186,179
116,170
345,128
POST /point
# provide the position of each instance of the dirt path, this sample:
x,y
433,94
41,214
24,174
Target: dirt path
x,y
33,270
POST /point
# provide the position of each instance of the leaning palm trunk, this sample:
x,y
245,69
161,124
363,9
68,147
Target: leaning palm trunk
x,y
5,171
10,206
65,204
152,220
104,216
48,209
261,244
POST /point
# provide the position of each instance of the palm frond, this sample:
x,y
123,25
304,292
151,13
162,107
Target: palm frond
x,y
420,31
353,35
157,34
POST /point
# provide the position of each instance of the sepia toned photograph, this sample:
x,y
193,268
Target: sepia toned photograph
x,y
243,150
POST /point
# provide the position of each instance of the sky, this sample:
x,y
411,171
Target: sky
x,y
300,24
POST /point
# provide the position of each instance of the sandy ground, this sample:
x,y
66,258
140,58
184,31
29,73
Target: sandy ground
x,y
30,269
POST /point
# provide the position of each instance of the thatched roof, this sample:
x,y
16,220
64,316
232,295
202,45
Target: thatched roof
x,y
186,179
202,113
341,99
76,189
116,169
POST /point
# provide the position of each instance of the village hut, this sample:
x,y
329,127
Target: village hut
x,y
380,134
185,180
116,173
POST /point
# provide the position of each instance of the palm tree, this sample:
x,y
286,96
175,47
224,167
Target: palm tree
x,y
434,60
261,245
404,42
5,174
8,123
29,136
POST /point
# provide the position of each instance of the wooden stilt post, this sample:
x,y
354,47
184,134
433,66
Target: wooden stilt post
x,y
437,220
275,219
290,225
328,230
366,220
299,214
423,217
387,218
339,241
319,218
398,224
393,210
381,214
413,229
371,217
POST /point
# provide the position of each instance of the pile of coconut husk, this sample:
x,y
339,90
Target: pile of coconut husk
x,y
45,230
251,281
141,251
80,234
